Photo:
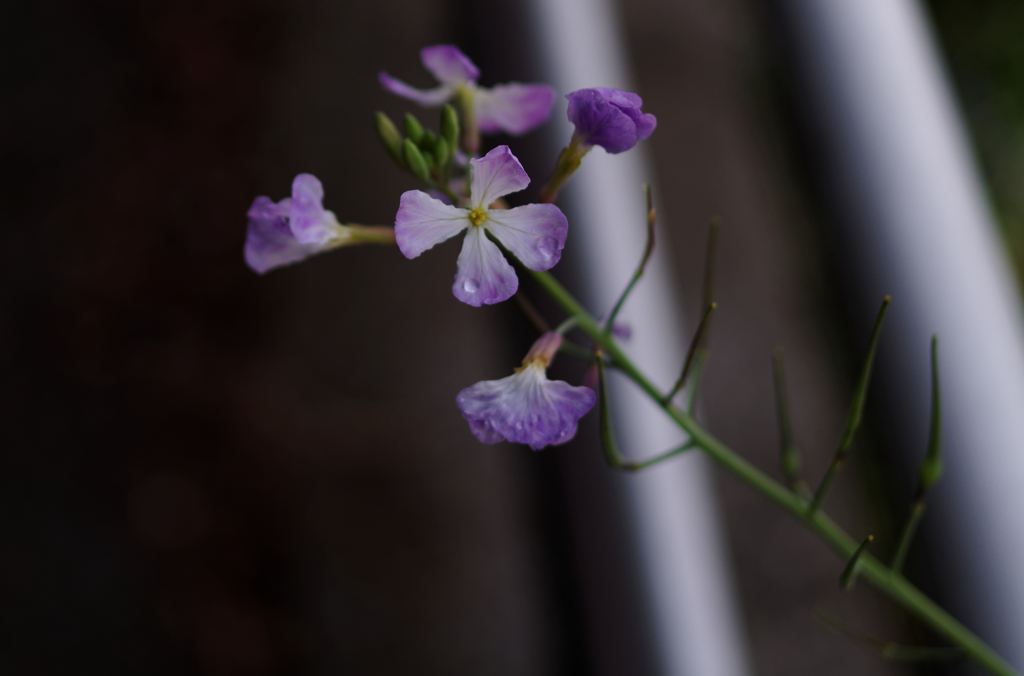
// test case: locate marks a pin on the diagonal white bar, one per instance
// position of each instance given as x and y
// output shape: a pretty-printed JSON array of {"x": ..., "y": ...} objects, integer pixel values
[
  {"x": 669, "y": 512},
  {"x": 917, "y": 225}
]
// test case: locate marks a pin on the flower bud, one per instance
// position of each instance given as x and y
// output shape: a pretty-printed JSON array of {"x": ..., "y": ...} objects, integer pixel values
[
  {"x": 427, "y": 142},
  {"x": 441, "y": 152},
  {"x": 413, "y": 128},
  {"x": 389, "y": 137},
  {"x": 418, "y": 166},
  {"x": 450, "y": 126}
]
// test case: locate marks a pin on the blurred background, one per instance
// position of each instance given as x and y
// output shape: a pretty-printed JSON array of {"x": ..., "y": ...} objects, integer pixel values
[{"x": 205, "y": 471}]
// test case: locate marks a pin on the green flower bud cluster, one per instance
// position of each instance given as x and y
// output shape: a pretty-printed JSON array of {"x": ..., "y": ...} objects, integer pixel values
[{"x": 424, "y": 154}]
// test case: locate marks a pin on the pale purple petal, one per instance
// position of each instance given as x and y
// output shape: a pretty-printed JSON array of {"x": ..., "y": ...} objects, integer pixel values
[
  {"x": 526, "y": 408},
  {"x": 269, "y": 242},
  {"x": 514, "y": 108},
  {"x": 483, "y": 431},
  {"x": 609, "y": 118},
  {"x": 449, "y": 65},
  {"x": 424, "y": 97},
  {"x": 495, "y": 175},
  {"x": 423, "y": 221},
  {"x": 484, "y": 277},
  {"x": 310, "y": 223},
  {"x": 535, "y": 233}
]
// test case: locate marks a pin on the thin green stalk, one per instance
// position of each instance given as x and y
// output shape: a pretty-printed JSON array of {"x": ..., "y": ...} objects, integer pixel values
[
  {"x": 931, "y": 467},
  {"x": 690, "y": 353},
  {"x": 648, "y": 250},
  {"x": 853, "y": 418},
  {"x": 611, "y": 450},
  {"x": 876, "y": 573},
  {"x": 849, "y": 574},
  {"x": 916, "y": 512},
  {"x": 789, "y": 456},
  {"x": 699, "y": 362},
  {"x": 889, "y": 650}
]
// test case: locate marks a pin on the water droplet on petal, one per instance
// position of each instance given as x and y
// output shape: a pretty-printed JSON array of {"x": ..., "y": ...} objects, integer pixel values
[
  {"x": 470, "y": 285},
  {"x": 519, "y": 425},
  {"x": 548, "y": 246}
]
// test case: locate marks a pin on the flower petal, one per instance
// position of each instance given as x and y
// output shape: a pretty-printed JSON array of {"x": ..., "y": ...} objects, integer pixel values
[
  {"x": 449, "y": 65},
  {"x": 424, "y": 97},
  {"x": 269, "y": 242},
  {"x": 599, "y": 122},
  {"x": 482, "y": 430},
  {"x": 514, "y": 108},
  {"x": 629, "y": 103},
  {"x": 484, "y": 277},
  {"x": 526, "y": 408},
  {"x": 535, "y": 233},
  {"x": 619, "y": 98},
  {"x": 309, "y": 222},
  {"x": 423, "y": 221},
  {"x": 495, "y": 175}
]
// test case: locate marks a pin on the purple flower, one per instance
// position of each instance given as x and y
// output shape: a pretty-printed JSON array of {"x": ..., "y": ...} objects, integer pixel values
[
  {"x": 526, "y": 407},
  {"x": 609, "y": 118},
  {"x": 294, "y": 228},
  {"x": 535, "y": 233},
  {"x": 515, "y": 108}
]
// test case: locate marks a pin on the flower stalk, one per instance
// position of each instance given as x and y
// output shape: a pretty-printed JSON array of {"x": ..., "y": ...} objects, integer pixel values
[
  {"x": 880, "y": 576},
  {"x": 853, "y": 419}
]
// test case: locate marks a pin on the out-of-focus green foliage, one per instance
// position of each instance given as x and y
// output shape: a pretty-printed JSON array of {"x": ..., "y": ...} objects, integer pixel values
[{"x": 984, "y": 46}]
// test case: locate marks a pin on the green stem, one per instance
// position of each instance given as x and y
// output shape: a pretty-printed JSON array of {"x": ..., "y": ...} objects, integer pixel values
[
  {"x": 891, "y": 583},
  {"x": 916, "y": 512},
  {"x": 371, "y": 234}
]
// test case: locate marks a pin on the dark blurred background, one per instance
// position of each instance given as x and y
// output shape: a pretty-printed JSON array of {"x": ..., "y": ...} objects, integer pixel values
[{"x": 205, "y": 471}]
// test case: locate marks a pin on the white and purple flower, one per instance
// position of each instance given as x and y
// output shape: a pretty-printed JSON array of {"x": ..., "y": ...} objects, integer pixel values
[
  {"x": 514, "y": 108},
  {"x": 298, "y": 227},
  {"x": 535, "y": 233},
  {"x": 609, "y": 118},
  {"x": 526, "y": 407}
]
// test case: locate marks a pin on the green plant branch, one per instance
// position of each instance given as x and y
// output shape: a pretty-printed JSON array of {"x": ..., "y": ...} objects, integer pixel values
[{"x": 891, "y": 583}]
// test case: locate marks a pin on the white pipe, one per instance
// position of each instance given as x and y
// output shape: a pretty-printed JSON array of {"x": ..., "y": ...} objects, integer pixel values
[
  {"x": 917, "y": 226},
  {"x": 670, "y": 512}
]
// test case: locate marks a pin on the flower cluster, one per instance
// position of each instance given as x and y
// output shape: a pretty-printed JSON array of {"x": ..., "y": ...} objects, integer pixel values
[
  {"x": 514, "y": 108},
  {"x": 525, "y": 407}
]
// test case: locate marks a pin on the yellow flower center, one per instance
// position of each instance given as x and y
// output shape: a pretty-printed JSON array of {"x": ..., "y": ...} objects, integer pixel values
[{"x": 478, "y": 216}]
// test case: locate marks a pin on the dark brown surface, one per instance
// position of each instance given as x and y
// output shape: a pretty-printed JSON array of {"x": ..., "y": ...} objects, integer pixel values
[{"x": 206, "y": 471}]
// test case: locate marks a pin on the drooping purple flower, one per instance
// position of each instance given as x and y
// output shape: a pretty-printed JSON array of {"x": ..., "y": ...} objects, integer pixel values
[
  {"x": 526, "y": 407},
  {"x": 609, "y": 118},
  {"x": 535, "y": 233},
  {"x": 514, "y": 108},
  {"x": 297, "y": 227}
]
